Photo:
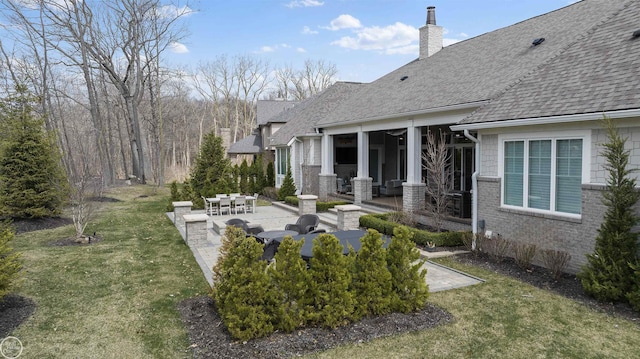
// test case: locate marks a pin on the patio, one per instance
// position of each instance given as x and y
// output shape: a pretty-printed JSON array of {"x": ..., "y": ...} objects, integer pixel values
[{"x": 277, "y": 216}]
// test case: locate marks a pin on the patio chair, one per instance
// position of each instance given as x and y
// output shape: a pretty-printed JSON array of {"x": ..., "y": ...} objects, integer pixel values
[
  {"x": 250, "y": 231},
  {"x": 305, "y": 224},
  {"x": 209, "y": 208},
  {"x": 234, "y": 194},
  {"x": 221, "y": 195},
  {"x": 225, "y": 205},
  {"x": 240, "y": 204}
]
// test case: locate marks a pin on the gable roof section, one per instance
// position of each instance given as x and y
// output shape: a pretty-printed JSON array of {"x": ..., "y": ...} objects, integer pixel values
[
  {"x": 473, "y": 70},
  {"x": 302, "y": 119},
  {"x": 247, "y": 145},
  {"x": 267, "y": 109},
  {"x": 599, "y": 73}
]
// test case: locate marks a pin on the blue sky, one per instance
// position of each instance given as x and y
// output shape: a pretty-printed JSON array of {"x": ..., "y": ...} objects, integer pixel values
[{"x": 364, "y": 38}]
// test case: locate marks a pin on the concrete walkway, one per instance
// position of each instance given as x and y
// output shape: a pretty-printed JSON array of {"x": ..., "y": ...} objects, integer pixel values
[{"x": 274, "y": 217}]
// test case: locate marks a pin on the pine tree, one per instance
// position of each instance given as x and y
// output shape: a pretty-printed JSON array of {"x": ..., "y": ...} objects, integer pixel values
[
  {"x": 407, "y": 276},
  {"x": 372, "y": 279},
  {"x": 213, "y": 172},
  {"x": 329, "y": 293},
  {"x": 288, "y": 187},
  {"x": 608, "y": 275},
  {"x": 9, "y": 261},
  {"x": 244, "y": 295},
  {"x": 289, "y": 273},
  {"x": 33, "y": 183}
]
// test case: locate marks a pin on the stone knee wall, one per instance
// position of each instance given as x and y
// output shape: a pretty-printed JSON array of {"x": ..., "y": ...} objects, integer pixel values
[{"x": 575, "y": 236}]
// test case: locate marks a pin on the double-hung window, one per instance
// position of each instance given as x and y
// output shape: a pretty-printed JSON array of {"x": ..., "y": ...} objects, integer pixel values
[{"x": 543, "y": 174}]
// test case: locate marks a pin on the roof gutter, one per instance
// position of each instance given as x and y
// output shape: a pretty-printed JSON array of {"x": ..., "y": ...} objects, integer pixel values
[
  {"x": 463, "y": 106},
  {"x": 548, "y": 120}
]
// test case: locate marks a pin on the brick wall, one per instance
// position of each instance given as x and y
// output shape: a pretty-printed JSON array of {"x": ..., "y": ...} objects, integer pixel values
[{"x": 575, "y": 236}]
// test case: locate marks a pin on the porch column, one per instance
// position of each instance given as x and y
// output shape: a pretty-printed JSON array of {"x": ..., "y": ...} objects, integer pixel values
[
  {"x": 327, "y": 177},
  {"x": 413, "y": 191},
  {"x": 362, "y": 182}
]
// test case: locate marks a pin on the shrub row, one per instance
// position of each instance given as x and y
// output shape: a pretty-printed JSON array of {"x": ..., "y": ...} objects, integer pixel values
[
  {"x": 381, "y": 223},
  {"x": 255, "y": 299},
  {"x": 320, "y": 206}
]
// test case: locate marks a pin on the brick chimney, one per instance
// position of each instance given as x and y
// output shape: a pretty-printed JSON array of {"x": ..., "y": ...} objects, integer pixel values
[{"x": 430, "y": 35}]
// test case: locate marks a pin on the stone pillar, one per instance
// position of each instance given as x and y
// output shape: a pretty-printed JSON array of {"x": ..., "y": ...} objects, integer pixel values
[
  {"x": 327, "y": 184},
  {"x": 413, "y": 197},
  {"x": 196, "y": 228},
  {"x": 180, "y": 209},
  {"x": 348, "y": 217},
  {"x": 361, "y": 189},
  {"x": 307, "y": 204}
]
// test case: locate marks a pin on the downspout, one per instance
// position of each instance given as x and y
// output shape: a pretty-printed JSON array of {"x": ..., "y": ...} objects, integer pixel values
[
  {"x": 474, "y": 186},
  {"x": 300, "y": 153}
]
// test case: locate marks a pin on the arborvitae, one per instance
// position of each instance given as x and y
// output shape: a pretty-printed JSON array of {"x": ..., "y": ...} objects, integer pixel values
[
  {"x": 634, "y": 294},
  {"x": 244, "y": 177},
  {"x": 329, "y": 292},
  {"x": 212, "y": 172},
  {"x": 607, "y": 275},
  {"x": 288, "y": 187},
  {"x": 187, "y": 193},
  {"x": 407, "y": 275},
  {"x": 244, "y": 295},
  {"x": 33, "y": 183},
  {"x": 175, "y": 195},
  {"x": 289, "y": 274},
  {"x": 372, "y": 279},
  {"x": 258, "y": 171},
  {"x": 271, "y": 176},
  {"x": 9, "y": 261}
]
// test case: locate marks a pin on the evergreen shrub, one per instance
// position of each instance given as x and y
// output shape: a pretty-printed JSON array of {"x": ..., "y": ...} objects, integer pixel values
[
  {"x": 10, "y": 265},
  {"x": 407, "y": 275}
]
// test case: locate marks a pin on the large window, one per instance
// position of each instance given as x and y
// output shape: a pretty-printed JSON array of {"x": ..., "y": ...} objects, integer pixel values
[{"x": 543, "y": 174}]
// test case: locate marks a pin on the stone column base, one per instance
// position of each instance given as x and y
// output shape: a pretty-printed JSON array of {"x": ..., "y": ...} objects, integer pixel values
[
  {"x": 327, "y": 185},
  {"x": 180, "y": 209},
  {"x": 195, "y": 228},
  {"x": 413, "y": 197},
  {"x": 361, "y": 189}
]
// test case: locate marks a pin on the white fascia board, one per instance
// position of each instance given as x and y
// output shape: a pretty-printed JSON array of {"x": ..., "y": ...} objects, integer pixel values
[
  {"x": 548, "y": 120},
  {"x": 409, "y": 114}
]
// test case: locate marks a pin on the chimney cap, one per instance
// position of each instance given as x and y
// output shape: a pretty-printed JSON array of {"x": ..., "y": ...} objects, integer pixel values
[{"x": 431, "y": 15}]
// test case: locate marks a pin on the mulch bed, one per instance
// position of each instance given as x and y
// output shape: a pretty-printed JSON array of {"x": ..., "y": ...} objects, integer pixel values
[
  {"x": 210, "y": 339},
  {"x": 36, "y": 224},
  {"x": 14, "y": 310}
]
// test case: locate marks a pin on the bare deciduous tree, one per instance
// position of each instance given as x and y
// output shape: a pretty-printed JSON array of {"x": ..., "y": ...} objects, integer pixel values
[{"x": 436, "y": 161}]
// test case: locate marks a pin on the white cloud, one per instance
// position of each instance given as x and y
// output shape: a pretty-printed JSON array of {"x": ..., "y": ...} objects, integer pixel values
[
  {"x": 398, "y": 38},
  {"x": 178, "y": 48},
  {"x": 304, "y": 3},
  {"x": 267, "y": 49},
  {"x": 344, "y": 22},
  {"x": 307, "y": 31},
  {"x": 301, "y": 50},
  {"x": 172, "y": 11},
  {"x": 273, "y": 48}
]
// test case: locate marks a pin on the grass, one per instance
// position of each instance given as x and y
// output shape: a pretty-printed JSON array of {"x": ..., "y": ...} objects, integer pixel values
[
  {"x": 505, "y": 318},
  {"x": 115, "y": 298}
]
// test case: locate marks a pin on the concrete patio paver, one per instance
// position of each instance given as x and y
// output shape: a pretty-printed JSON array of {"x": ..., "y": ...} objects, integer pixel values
[{"x": 438, "y": 278}]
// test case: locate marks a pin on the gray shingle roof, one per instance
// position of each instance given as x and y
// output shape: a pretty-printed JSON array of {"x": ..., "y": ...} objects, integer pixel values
[
  {"x": 302, "y": 118},
  {"x": 601, "y": 72},
  {"x": 476, "y": 69},
  {"x": 247, "y": 145},
  {"x": 267, "y": 109}
]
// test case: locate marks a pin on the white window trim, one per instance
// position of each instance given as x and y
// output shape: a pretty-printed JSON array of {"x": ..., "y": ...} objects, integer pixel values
[{"x": 584, "y": 135}]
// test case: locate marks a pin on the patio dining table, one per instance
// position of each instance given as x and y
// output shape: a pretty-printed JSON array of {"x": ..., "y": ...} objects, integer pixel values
[
  {"x": 347, "y": 238},
  {"x": 216, "y": 201}
]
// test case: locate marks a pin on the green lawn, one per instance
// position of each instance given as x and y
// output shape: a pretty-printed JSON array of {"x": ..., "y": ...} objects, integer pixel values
[
  {"x": 505, "y": 318},
  {"x": 117, "y": 299}
]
